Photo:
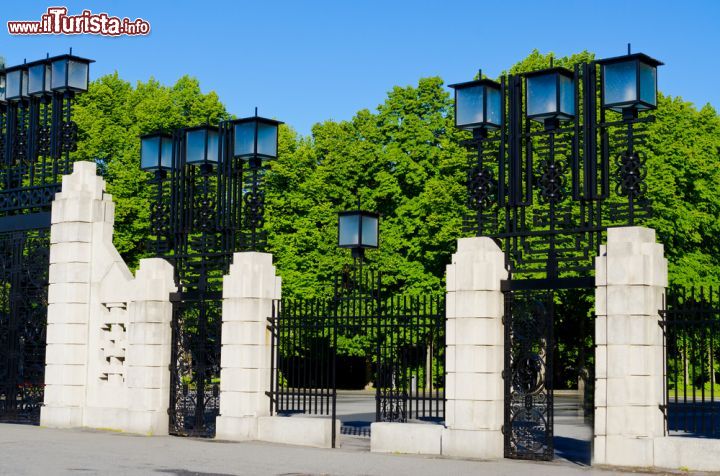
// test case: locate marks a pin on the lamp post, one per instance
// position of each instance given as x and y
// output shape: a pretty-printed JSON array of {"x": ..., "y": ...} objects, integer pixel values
[
  {"x": 37, "y": 136},
  {"x": 204, "y": 209},
  {"x": 517, "y": 166}
]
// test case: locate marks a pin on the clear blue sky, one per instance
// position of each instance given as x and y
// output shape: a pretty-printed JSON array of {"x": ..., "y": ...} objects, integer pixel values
[{"x": 305, "y": 61}]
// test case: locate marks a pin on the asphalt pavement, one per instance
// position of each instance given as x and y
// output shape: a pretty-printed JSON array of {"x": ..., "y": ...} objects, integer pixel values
[{"x": 31, "y": 450}]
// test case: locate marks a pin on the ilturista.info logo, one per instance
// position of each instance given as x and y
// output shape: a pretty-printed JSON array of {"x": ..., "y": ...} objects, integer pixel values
[{"x": 56, "y": 21}]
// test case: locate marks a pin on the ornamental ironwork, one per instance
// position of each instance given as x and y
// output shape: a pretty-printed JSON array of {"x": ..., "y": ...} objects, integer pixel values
[
  {"x": 37, "y": 134},
  {"x": 208, "y": 203}
]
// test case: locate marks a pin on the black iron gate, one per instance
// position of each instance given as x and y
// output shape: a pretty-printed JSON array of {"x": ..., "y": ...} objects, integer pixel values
[
  {"x": 37, "y": 135},
  {"x": 24, "y": 263},
  {"x": 691, "y": 321},
  {"x": 528, "y": 375},
  {"x": 195, "y": 367},
  {"x": 401, "y": 338},
  {"x": 546, "y": 187}
]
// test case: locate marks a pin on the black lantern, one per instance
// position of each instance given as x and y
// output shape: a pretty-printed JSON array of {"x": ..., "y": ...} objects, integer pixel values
[
  {"x": 70, "y": 73},
  {"x": 478, "y": 105},
  {"x": 39, "y": 78},
  {"x": 629, "y": 83},
  {"x": 358, "y": 230},
  {"x": 2, "y": 88},
  {"x": 16, "y": 82},
  {"x": 156, "y": 152},
  {"x": 201, "y": 145},
  {"x": 255, "y": 139},
  {"x": 550, "y": 96}
]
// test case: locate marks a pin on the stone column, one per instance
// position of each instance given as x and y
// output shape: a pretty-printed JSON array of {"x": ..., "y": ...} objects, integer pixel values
[
  {"x": 108, "y": 334},
  {"x": 74, "y": 211},
  {"x": 149, "y": 348},
  {"x": 248, "y": 293},
  {"x": 631, "y": 276},
  {"x": 475, "y": 350}
]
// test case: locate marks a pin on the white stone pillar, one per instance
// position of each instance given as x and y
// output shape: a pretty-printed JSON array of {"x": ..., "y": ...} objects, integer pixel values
[
  {"x": 149, "y": 348},
  {"x": 108, "y": 334},
  {"x": 76, "y": 208},
  {"x": 475, "y": 350},
  {"x": 248, "y": 293},
  {"x": 631, "y": 276}
]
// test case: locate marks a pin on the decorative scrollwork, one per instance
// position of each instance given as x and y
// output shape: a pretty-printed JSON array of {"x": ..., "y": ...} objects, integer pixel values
[
  {"x": 631, "y": 175},
  {"x": 481, "y": 185},
  {"x": 159, "y": 217},
  {"x": 529, "y": 400},
  {"x": 552, "y": 181},
  {"x": 44, "y": 137},
  {"x": 205, "y": 215},
  {"x": 20, "y": 145},
  {"x": 69, "y": 136},
  {"x": 254, "y": 209},
  {"x": 394, "y": 409}
]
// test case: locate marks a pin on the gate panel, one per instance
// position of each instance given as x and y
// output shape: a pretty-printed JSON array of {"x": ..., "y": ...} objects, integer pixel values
[
  {"x": 303, "y": 360},
  {"x": 410, "y": 377},
  {"x": 691, "y": 322},
  {"x": 195, "y": 368},
  {"x": 24, "y": 263},
  {"x": 528, "y": 374}
]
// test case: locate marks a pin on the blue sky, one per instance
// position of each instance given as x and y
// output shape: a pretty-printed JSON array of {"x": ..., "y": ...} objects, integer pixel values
[{"x": 308, "y": 61}]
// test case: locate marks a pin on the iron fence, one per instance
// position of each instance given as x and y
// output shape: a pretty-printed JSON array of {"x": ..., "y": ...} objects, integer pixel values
[
  {"x": 398, "y": 341},
  {"x": 691, "y": 321}
]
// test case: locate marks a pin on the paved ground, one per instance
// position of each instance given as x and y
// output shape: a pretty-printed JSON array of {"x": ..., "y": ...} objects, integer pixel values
[{"x": 29, "y": 450}]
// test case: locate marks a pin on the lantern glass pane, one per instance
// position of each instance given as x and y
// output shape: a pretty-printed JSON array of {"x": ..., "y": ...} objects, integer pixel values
[
  {"x": 494, "y": 106},
  {"x": 469, "y": 106},
  {"x": 78, "y": 75},
  {"x": 349, "y": 230},
  {"x": 620, "y": 82},
  {"x": 149, "y": 153},
  {"x": 542, "y": 95},
  {"x": 370, "y": 231},
  {"x": 244, "y": 139},
  {"x": 567, "y": 95},
  {"x": 213, "y": 145},
  {"x": 267, "y": 139},
  {"x": 195, "y": 146},
  {"x": 36, "y": 79},
  {"x": 14, "y": 83},
  {"x": 59, "y": 70},
  {"x": 648, "y": 84},
  {"x": 166, "y": 153}
]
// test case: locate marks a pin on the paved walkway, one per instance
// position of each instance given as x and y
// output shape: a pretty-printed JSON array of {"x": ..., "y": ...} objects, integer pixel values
[{"x": 29, "y": 450}]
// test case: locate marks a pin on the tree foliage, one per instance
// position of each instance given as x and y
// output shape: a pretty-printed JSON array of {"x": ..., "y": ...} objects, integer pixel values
[
  {"x": 402, "y": 159},
  {"x": 112, "y": 116}
]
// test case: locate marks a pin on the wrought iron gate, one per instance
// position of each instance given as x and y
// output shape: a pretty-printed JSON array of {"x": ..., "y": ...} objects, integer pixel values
[
  {"x": 402, "y": 337},
  {"x": 37, "y": 135},
  {"x": 24, "y": 263},
  {"x": 691, "y": 321},
  {"x": 528, "y": 324},
  {"x": 547, "y": 189}
]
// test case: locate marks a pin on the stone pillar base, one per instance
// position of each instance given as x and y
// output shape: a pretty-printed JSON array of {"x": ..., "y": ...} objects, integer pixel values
[
  {"x": 480, "y": 444},
  {"x": 236, "y": 428},
  {"x": 61, "y": 417}
]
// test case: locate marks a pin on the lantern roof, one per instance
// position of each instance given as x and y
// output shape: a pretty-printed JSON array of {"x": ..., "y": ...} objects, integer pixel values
[
  {"x": 476, "y": 82},
  {"x": 542, "y": 72},
  {"x": 256, "y": 118},
  {"x": 639, "y": 56}
]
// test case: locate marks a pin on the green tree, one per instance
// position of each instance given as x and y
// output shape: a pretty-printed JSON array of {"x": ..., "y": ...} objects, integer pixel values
[
  {"x": 403, "y": 161},
  {"x": 112, "y": 116}
]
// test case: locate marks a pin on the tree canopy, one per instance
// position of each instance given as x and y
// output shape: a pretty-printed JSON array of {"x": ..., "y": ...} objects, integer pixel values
[{"x": 402, "y": 159}]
